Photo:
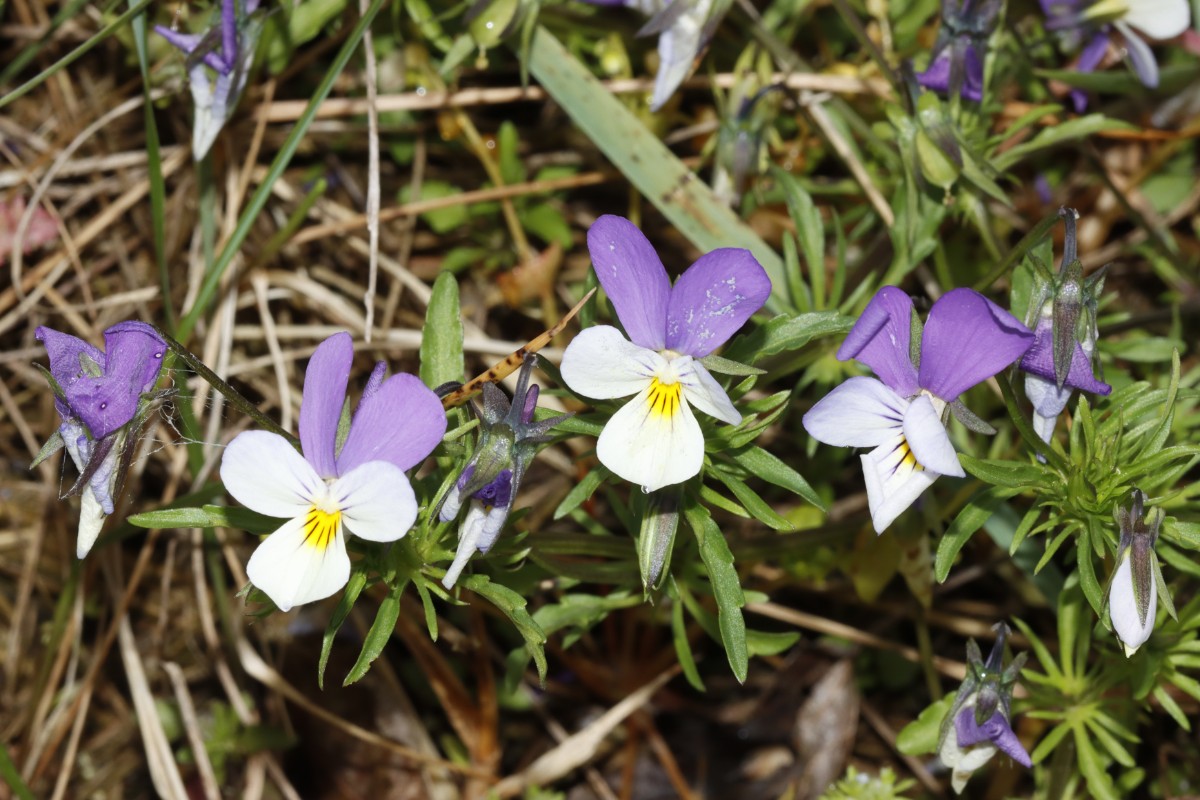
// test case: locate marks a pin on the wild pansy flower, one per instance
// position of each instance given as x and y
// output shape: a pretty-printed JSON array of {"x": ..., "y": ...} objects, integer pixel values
[
  {"x": 654, "y": 440},
  {"x": 967, "y": 339},
  {"x": 1089, "y": 25},
  {"x": 684, "y": 28},
  {"x": 214, "y": 97},
  {"x": 980, "y": 720},
  {"x": 99, "y": 396},
  {"x": 1137, "y": 581},
  {"x": 508, "y": 441},
  {"x": 1063, "y": 311},
  {"x": 327, "y": 492},
  {"x": 956, "y": 64}
]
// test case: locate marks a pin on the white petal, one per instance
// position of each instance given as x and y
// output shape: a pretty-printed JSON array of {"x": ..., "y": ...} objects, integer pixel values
[
  {"x": 678, "y": 47},
  {"x": 603, "y": 364},
  {"x": 894, "y": 480},
  {"x": 452, "y": 504},
  {"x": 91, "y": 520},
  {"x": 927, "y": 438},
  {"x": 266, "y": 474},
  {"x": 376, "y": 501},
  {"x": 1047, "y": 399},
  {"x": 649, "y": 446},
  {"x": 1123, "y": 611},
  {"x": 292, "y": 571},
  {"x": 862, "y": 412},
  {"x": 1159, "y": 19},
  {"x": 1044, "y": 427},
  {"x": 493, "y": 523},
  {"x": 468, "y": 541},
  {"x": 703, "y": 391}
]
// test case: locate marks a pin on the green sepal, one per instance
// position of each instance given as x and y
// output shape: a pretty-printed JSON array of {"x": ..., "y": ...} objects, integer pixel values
[{"x": 52, "y": 446}]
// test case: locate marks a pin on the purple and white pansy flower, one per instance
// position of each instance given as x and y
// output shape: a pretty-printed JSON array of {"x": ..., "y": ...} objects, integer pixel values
[
  {"x": 328, "y": 492},
  {"x": 102, "y": 393},
  {"x": 654, "y": 440},
  {"x": 901, "y": 415}
]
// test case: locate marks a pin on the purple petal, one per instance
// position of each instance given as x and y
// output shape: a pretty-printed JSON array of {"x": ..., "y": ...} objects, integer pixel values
[
  {"x": 1039, "y": 360},
  {"x": 229, "y": 43},
  {"x": 880, "y": 339},
  {"x": 64, "y": 351},
  {"x": 531, "y": 398},
  {"x": 1093, "y": 53},
  {"x": 187, "y": 42},
  {"x": 633, "y": 277},
  {"x": 970, "y": 732},
  {"x": 713, "y": 298},
  {"x": 401, "y": 423},
  {"x": 972, "y": 87},
  {"x": 375, "y": 380},
  {"x": 321, "y": 407},
  {"x": 937, "y": 77},
  {"x": 131, "y": 365},
  {"x": 1140, "y": 56},
  {"x": 996, "y": 730},
  {"x": 968, "y": 339}
]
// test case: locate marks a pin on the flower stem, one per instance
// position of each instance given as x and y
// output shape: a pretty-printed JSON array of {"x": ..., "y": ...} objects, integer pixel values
[
  {"x": 231, "y": 394},
  {"x": 1025, "y": 428}
]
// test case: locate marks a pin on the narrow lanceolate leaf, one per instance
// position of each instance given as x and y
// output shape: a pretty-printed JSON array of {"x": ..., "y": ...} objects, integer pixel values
[
  {"x": 205, "y": 517},
  {"x": 512, "y": 605},
  {"x": 727, "y": 589},
  {"x": 358, "y": 581},
  {"x": 976, "y": 512},
  {"x": 442, "y": 336},
  {"x": 379, "y": 634},
  {"x": 787, "y": 333},
  {"x": 766, "y": 466}
]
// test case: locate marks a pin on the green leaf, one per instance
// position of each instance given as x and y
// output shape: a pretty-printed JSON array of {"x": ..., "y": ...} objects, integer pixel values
[
  {"x": 656, "y": 536},
  {"x": 512, "y": 605},
  {"x": 921, "y": 735},
  {"x": 358, "y": 581},
  {"x": 441, "y": 220},
  {"x": 786, "y": 333},
  {"x": 380, "y": 632},
  {"x": 1099, "y": 784},
  {"x": 683, "y": 646},
  {"x": 1185, "y": 534},
  {"x": 206, "y": 517},
  {"x": 727, "y": 589},
  {"x": 1059, "y": 134},
  {"x": 1088, "y": 581},
  {"x": 508, "y": 159},
  {"x": 1003, "y": 473},
  {"x": 426, "y": 605},
  {"x": 442, "y": 336},
  {"x": 581, "y": 491},
  {"x": 1170, "y": 79},
  {"x": 766, "y": 466},
  {"x": 724, "y": 366},
  {"x": 976, "y": 512},
  {"x": 752, "y": 502},
  {"x": 1172, "y": 707}
]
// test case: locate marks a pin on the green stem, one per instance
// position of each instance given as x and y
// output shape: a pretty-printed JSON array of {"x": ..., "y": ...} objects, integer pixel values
[
  {"x": 232, "y": 395},
  {"x": 925, "y": 648},
  {"x": 1024, "y": 427}
]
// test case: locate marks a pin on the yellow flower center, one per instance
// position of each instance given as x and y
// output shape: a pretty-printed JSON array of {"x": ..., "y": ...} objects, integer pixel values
[
  {"x": 664, "y": 398},
  {"x": 320, "y": 527}
]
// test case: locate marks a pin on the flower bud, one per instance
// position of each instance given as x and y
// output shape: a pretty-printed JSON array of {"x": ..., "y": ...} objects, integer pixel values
[{"x": 1137, "y": 581}]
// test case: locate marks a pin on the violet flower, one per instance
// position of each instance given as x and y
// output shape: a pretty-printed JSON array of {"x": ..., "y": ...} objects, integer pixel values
[
  {"x": 1089, "y": 25},
  {"x": 967, "y": 339},
  {"x": 508, "y": 441},
  {"x": 327, "y": 492},
  {"x": 98, "y": 394},
  {"x": 979, "y": 720},
  {"x": 654, "y": 440},
  {"x": 956, "y": 64},
  {"x": 1137, "y": 582},
  {"x": 1063, "y": 311},
  {"x": 215, "y": 98}
]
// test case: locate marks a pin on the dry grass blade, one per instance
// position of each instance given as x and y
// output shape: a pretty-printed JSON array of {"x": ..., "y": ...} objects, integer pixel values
[
  {"x": 506, "y": 367},
  {"x": 580, "y": 747}
]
